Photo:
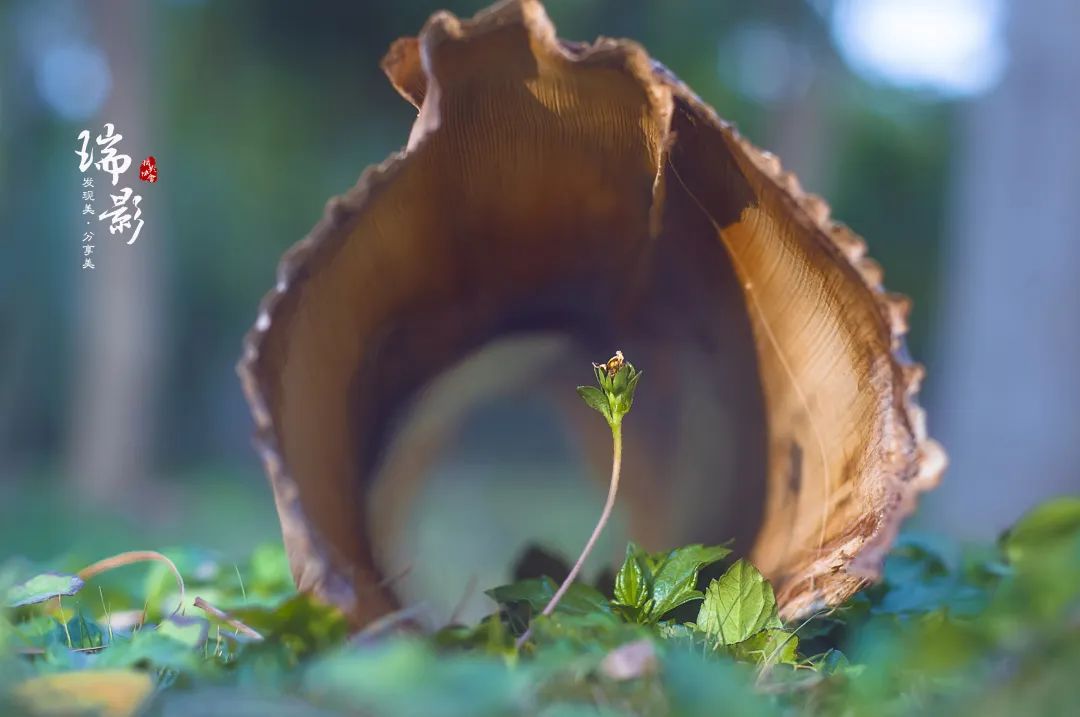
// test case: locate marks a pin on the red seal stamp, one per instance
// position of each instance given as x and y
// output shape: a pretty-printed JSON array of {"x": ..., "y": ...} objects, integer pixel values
[{"x": 148, "y": 169}]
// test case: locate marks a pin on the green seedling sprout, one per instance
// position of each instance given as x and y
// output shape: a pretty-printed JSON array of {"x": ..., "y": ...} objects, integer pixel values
[{"x": 617, "y": 379}]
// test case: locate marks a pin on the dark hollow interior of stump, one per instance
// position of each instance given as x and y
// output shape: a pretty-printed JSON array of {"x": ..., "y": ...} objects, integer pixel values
[{"x": 497, "y": 417}]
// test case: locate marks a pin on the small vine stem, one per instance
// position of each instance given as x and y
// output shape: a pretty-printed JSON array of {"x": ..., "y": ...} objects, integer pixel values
[{"x": 609, "y": 505}]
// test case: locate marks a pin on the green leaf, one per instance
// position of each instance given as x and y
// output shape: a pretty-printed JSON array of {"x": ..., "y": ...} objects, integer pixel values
[
  {"x": 579, "y": 599},
  {"x": 534, "y": 591},
  {"x": 40, "y": 631},
  {"x": 631, "y": 387},
  {"x": 830, "y": 662},
  {"x": 189, "y": 631},
  {"x": 770, "y": 646},
  {"x": 622, "y": 376},
  {"x": 919, "y": 578},
  {"x": 738, "y": 604},
  {"x": 631, "y": 587},
  {"x": 489, "y": 635},
  {"x": 84, "y": 633},
  {"x": 596, "y": 399},
  {"x": 154, "y": 648},
  {"x": 43, "y": 587},
  {"x": 601, "y": 375},
  {"x": 674, "y": 631},
  {"x": 302, "y": 623},
  {"x": 1042, "y": 528},
  {"x": 679, "y": 593},
  {"x": 675, "y": 577}
]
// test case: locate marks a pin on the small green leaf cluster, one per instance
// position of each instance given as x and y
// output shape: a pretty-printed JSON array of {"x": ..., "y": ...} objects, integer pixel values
[
  {"x": 650, "y": 585},
  {"x": 738, "y": 614},
  {"x": 738, "y": 611},
  {"x": 614, "y": 394}
]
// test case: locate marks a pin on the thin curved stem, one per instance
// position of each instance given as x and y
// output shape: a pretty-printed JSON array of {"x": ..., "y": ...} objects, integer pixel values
[{"x": 609, "y": 505}]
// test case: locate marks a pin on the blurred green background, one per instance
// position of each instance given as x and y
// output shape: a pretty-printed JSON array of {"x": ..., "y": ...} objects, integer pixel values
[{"x": 940, "y": 131}]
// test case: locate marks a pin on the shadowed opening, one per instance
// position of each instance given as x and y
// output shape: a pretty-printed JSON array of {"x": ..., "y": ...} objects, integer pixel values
[{"x": 694, "y": 464}]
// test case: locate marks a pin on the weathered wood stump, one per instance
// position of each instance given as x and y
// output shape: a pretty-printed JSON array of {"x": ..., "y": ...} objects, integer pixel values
[{"x": 581, "y": 195}]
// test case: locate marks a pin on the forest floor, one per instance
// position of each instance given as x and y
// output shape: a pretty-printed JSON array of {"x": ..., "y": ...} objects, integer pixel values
[{"x": 984, "y": 630}]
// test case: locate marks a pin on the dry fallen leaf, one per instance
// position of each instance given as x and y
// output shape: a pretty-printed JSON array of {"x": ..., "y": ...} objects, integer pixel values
[{"x": 116, "y": 693}]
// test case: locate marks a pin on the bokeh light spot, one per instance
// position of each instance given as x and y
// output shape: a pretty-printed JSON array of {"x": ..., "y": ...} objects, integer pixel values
[
  {"x": 73, "y": 79},
  {"x": 951, "y": 47}
]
